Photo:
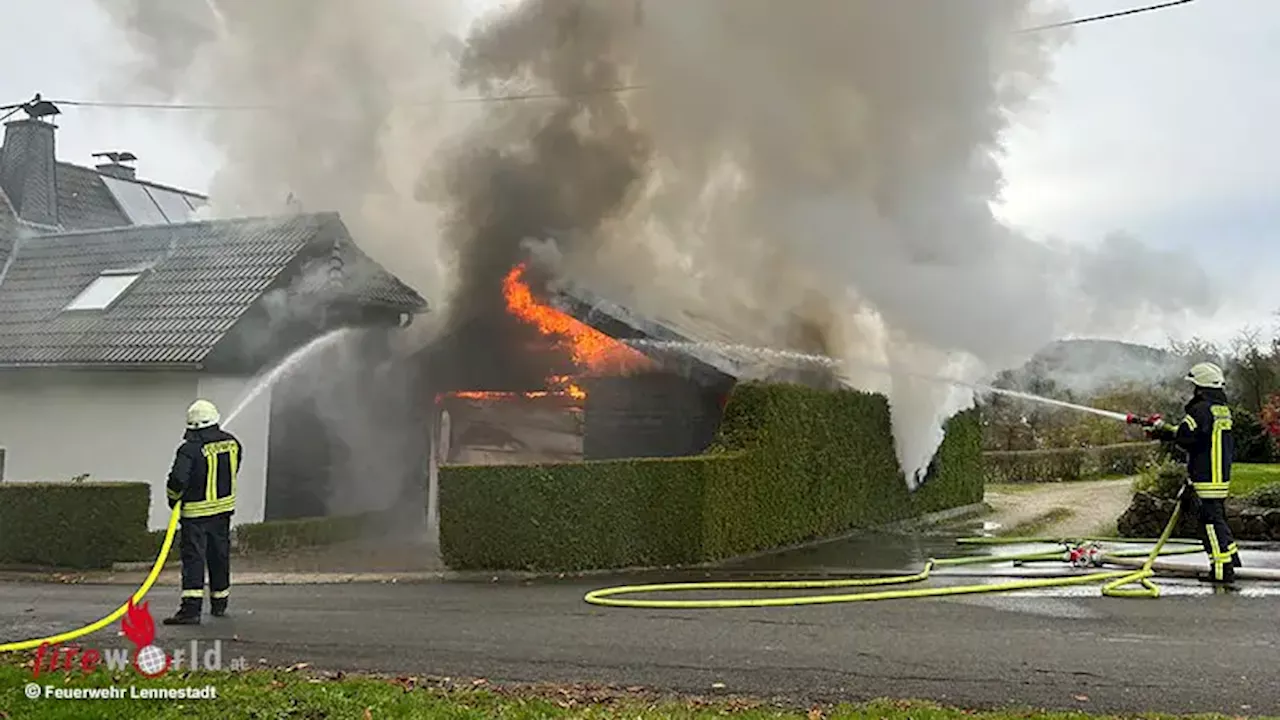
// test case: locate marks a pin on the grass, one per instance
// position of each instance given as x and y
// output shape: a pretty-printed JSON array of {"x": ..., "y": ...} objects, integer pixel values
[
  {"x": 1247, "y": 477},
  {"x": 296, "y": 694},
  {"x": 1015, "y": 488}
]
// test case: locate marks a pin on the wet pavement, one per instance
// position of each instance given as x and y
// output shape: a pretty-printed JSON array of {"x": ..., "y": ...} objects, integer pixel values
[
  {"x": 1214, "y": 653},
  {"x": 1196, "y": 649}
]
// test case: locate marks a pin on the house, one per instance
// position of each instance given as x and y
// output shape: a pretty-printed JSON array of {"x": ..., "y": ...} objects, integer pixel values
[{"x": 119, "y": 306}]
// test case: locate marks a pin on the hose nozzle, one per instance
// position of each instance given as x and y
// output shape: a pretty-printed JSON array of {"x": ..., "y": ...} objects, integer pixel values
[{"x": 1144, "y": 421}]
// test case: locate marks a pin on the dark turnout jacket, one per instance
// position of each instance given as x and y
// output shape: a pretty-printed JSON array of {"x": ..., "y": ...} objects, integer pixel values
[
  {"x": 203, "y": 476},
  {"x": 1205, "y": 435}
]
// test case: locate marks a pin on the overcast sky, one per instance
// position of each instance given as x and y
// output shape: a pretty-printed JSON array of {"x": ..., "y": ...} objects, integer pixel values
[{"x": 1158, "y": 125}]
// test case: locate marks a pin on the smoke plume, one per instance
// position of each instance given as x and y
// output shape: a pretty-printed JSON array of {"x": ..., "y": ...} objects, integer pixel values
[{"x": 815, "y": 175}]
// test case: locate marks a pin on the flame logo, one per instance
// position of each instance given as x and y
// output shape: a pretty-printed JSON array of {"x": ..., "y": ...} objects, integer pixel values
[{"x": 137, "y": 625}]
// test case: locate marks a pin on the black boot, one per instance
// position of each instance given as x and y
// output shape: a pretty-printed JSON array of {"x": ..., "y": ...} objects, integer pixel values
[
  {"x": 218, "y": 607},
  {"x": 1228, "y": 576},
  {"x": 188, "y": 614}
]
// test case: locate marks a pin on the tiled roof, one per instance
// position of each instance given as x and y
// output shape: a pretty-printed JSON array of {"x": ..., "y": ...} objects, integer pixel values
[
  {"x": 202, "y": 278},
  {"x": 8, "y": 229},
  {"x": 84, "y": 203}
]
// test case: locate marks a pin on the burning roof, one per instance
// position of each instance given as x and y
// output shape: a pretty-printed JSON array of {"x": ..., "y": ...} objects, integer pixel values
[{"x": 594, "y": 352}]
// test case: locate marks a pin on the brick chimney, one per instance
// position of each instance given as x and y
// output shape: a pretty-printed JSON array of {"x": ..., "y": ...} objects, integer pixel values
[
  {"x": 117, "y": 170},
  {"x": 28, "y": 171},
  {"x": 114, "y": 164}
]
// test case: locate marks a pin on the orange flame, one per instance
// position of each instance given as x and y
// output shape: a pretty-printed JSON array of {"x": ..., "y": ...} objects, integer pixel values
[
  {"x": 591, "y": 349},
  {"x": 138, "y": 625}
]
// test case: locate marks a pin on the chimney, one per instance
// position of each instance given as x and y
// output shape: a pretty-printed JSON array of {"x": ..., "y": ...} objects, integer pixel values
[
  {"x": 116, "y": 167},
  {"x": 124, "y": 172},
  {"x": 28, "y": 170}
]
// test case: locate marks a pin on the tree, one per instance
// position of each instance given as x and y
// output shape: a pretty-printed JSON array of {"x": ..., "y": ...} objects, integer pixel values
[
  {"x": 1196, "y": 350},
  {"x": 1270, "y": 417},
  {"x": 1252, "y": 371}
]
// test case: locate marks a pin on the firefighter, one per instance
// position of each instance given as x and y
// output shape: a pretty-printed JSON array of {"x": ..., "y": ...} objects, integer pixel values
[
  {"x": 203, "y": 479},
  {"x": 1205, "y": 436}
]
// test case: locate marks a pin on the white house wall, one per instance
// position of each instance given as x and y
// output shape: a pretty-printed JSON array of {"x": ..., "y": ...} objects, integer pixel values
[
  {"x": 118, "y": 426},
  {"x": 251, "y": 426},
  {"x": 122, "y": 426}
]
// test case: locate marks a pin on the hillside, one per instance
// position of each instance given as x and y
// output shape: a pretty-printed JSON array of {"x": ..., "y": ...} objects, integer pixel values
[{"x": 1090, "y": 366}]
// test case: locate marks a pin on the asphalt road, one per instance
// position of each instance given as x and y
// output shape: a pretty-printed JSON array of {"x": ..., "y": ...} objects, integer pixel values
[{"x": 1188, "y": 653}]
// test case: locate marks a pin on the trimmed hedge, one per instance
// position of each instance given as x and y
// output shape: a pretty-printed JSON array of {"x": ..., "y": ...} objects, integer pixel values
[
  {"x": 1068, "y": 464},
  {"x": 86, "y": 525},
  {"x": 790, "y": 464},
  {"x": 279, "y": 535}
]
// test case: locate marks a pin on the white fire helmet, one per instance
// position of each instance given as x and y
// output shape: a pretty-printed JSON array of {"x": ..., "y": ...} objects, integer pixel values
[
  {"x": 1206, "y": 375},
  {"x": 202, "y": 414}
]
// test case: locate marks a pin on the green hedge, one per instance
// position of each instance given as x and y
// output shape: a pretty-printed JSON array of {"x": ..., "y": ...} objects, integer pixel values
[
  {"x": 86, "y": 525},
  {"x": 1068, "y": 464},
  {"x": 790, "y": 464},
  {"x": 280, "y": 535},
  {"x": 276, "y": 535}
]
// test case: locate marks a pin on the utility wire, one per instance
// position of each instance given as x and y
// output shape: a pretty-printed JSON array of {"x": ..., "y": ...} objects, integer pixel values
[
  {"x": 446, "y": 101},
  {"x": 1106, "y": 16},
  {"x": 552, "y": 96}
]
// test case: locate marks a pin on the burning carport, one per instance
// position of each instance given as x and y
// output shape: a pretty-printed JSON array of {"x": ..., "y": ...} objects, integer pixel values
[{"x": 592, "y": 381}]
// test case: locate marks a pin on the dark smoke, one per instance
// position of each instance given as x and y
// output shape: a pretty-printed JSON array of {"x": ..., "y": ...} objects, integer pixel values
[
  {"x": 815, "y": 174},
  {"x": 560, "y": 168}
]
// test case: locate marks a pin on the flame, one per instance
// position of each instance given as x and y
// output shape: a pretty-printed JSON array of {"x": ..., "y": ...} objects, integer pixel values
[
  {"x": 591, "y": 349},
  {"x": 138, "y": 625},
  {"x": 566, "y": 389}
]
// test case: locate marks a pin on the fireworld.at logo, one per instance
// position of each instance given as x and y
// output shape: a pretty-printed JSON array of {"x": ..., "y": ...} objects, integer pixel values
[{"x": 147, "y": 658}]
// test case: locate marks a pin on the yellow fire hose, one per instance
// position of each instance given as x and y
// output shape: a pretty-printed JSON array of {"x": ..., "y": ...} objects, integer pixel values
[
  {"x": 120, "y": 611},
  {"x": 1115, "y": 588},
  {"x": 1118, "y": 578}
]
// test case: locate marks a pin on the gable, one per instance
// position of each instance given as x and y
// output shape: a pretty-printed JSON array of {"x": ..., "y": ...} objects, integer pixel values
[{"x": 195, "y": 282}]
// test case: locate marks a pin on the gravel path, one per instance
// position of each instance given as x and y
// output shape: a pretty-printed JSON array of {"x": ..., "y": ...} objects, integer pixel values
[{"x": 1093, "y": 506}]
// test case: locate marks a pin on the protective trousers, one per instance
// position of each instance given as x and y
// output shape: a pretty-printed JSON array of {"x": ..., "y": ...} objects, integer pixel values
[
  {"x": 206, "y": 542},
  {"x": 1224, "y": 556}
]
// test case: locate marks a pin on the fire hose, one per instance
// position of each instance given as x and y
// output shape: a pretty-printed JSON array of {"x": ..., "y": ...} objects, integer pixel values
[
  {"x": 607, "y": 596},
  {"x": 1116, "y": 580},
  {"x": 120, "y": 611}
]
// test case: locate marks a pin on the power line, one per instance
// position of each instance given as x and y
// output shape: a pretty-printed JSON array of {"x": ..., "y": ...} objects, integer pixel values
[
  {"x": 1106, "y": 16},
  {"x": 485, "y": 99},
  {"x": 447, "y": 101}
]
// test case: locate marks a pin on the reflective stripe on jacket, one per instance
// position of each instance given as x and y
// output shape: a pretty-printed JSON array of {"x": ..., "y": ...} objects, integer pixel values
[
  {"x": 1205, "y": 435},
  {"x": 204, "y": 473}
]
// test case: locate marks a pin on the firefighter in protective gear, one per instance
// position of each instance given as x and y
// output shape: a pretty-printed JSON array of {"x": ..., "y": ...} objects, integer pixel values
[
  {"x": 1205, "y": 436},
  {"x": 203, "y": 479}
]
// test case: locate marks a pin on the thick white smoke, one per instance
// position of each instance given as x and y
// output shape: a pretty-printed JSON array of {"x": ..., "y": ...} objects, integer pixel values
[{"x": 828, "y": 163}]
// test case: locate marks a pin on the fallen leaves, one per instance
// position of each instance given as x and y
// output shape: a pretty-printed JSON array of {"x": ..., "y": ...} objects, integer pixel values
[{"x": 407, "y": 684}]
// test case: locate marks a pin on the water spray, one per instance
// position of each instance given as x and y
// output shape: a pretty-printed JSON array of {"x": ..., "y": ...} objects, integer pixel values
[
  {"x": 286, "y": 366},
  {"x": 770, "y": 354}
]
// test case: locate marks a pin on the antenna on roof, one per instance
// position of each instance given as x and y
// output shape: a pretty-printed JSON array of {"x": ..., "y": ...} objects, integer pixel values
[
  {"x": 114, "y": 167},
  {"x": 117, "y": 156},
  {"x": 35, "y": 108}
]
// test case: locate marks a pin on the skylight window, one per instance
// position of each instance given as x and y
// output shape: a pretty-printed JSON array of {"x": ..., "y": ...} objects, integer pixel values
[
  {"x": 104, "y": 290},
  {"x": 137, "y": 204},
  {"x": 174, "y": 206}
]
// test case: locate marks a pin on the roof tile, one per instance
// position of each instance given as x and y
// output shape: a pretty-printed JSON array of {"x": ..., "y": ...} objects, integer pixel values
[{"x": 203, "y": 277}]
